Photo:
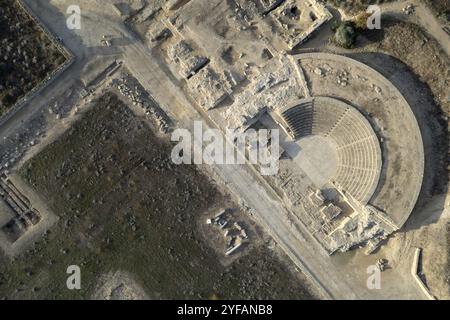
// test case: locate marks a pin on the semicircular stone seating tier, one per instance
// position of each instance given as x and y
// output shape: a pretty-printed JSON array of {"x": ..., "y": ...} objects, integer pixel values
[{"x": 358, "y": 148}]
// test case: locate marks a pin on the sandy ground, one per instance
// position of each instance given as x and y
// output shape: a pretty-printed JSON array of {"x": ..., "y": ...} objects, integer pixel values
[
  {"x": 430, "y": 234},
  {"x": 119, "y": 286}
]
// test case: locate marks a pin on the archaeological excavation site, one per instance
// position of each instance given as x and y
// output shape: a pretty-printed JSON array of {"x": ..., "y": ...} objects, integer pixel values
[{"x": 354, "y": 95}]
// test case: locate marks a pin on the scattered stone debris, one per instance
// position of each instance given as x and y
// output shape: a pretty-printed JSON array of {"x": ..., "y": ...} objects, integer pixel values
[
  {"x": 343, "y": 78},
  {"x": 409, "y": 9},
  {"x": 185, "y": 58},
  {"x": 382, "y": 264},
  {"x": 132, "y": 90},
  {"x": 319, "y": 72},
  {"x": 14, "y": 147},
  {"x": 234, "y": 233},
  {"x": 210, "y": 87},
  {"x": 294, "y": 21}
]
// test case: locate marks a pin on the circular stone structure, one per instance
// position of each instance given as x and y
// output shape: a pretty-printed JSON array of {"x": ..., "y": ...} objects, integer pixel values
[
  {"x": 378, "y": 140},
  {"x": 355, "y": 142}
]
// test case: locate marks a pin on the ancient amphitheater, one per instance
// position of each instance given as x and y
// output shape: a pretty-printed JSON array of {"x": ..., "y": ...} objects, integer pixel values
[
  {"x": 357, "y": 146},
  {"x": 353, "y": 155},
  {"x": 377, "y": 171}
]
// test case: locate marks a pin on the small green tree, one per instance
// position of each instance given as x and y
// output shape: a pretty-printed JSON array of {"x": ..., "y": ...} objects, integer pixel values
[
  {"x": 345, "y": 34},
  {"x": 445, "y": 15}
]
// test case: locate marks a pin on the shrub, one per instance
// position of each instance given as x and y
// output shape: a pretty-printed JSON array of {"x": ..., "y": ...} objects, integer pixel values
[{"x": 345, "y": 34}]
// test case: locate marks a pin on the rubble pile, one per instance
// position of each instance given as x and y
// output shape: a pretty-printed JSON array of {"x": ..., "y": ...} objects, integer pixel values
[
  {"x": 13, "y": 148},
  {"x": 356, "y": 232},
  {"x": 186, "y": 59},
  {"x": 295, "y": 21},
  {"x": 210, "y": 87},
  {"x": 260, "y": 95},
  {"x": 234, "y": 234},
  {"x": 140, "y": 98}
]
